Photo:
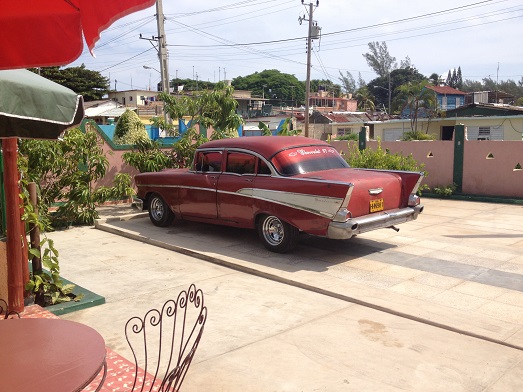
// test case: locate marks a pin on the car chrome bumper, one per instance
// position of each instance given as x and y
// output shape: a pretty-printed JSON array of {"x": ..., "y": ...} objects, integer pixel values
[{"x": 385, "y": 219}]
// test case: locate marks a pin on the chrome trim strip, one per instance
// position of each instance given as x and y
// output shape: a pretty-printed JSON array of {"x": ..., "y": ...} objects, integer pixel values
[{"x": 375, "y": 191}]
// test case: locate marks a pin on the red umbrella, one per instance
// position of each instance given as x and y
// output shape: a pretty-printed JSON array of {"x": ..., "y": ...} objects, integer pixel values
[{"x": 40, "y": 33}]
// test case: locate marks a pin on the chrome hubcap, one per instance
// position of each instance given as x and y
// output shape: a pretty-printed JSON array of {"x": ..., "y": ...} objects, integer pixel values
[
  {"x": 156, "y": 209},
  {"x": 273, "y": 230}
]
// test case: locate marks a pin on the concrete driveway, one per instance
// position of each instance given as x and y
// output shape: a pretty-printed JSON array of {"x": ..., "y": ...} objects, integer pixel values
[{"x": 435, "y": 307}]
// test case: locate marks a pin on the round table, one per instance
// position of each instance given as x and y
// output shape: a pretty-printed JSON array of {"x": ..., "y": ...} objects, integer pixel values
[{"x": 49, "y": 354}]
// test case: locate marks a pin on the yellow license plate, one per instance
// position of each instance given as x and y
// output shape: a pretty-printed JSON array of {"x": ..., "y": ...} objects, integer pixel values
[{"x": 376, "y": 205}]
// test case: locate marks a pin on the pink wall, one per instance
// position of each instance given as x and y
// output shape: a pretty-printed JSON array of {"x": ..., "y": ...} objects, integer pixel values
[
  {"x": 481, "y": 176},
  {"x": 493, "y": 176},
  {"x": 116, "y": 165}
]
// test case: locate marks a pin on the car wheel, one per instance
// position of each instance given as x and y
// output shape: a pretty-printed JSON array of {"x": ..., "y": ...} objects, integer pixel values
[
  {"x": 159, "y": 212},
  {"x": 276, "y": 235}
]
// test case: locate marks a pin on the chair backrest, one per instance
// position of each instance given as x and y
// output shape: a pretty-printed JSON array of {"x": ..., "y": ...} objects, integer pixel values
[
  {"x": 164, "y": 341},
  {"x": 5, "y": 312}
]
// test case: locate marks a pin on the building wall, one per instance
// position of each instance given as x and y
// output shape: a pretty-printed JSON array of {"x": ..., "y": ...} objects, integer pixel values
[
  {"x": 132, "y": 97},
  {"x": 512, "y": 126}
]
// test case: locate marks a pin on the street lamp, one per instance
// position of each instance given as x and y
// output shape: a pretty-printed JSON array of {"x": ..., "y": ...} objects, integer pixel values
[{"x": 147, "y": 67}]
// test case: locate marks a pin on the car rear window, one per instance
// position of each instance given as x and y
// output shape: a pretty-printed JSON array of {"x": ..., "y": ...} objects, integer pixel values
[{"x": 301, "y": 160}]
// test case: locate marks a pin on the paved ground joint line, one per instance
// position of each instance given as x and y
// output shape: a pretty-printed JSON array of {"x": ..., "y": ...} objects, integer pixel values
[{"x": 105, "y": 226}]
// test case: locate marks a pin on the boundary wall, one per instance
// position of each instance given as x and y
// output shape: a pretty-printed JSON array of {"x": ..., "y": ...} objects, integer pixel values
[{"x": 480, "y": 168}]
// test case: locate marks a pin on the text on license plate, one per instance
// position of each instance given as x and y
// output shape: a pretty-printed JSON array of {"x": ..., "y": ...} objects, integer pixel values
[{"x": 376, "y": 205}]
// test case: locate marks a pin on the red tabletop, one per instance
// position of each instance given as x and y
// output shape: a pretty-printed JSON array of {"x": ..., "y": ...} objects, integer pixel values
[{"x": 48, "y": 354}]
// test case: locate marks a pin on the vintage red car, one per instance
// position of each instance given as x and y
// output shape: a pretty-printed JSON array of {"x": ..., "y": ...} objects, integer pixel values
[{"x": 280, "y": 185}]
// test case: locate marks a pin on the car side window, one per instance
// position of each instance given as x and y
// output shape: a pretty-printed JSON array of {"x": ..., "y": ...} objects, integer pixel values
[
  {"x": 208, "y": 161},
  {"x": 240, "y": 163},
  {"x": 263, "y": 168}
]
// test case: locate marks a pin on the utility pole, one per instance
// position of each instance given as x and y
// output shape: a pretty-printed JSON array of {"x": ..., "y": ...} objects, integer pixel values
[
  {"x": 162, "y": 47},
  {"x": 309, "y": 51},
  {"x": 162, "y": 52}
]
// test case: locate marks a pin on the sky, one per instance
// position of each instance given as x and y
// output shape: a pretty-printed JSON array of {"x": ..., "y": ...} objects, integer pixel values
[{"x": 225, "y": 39}]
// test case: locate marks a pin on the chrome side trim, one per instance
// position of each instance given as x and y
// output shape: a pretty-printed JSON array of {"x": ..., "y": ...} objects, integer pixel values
[
  {"x": 325, "y": 206},
  {"x": 375, "y": 191}
]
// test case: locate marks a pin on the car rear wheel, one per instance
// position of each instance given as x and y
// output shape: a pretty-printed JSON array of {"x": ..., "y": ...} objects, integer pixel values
[
  {"x": 159, "y": 212},
  {"x": 276, "y": 235}
]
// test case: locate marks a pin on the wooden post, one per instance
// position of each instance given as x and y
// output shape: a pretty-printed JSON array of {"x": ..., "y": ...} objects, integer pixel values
[
  {"x": 15, "y": 278},
  {"x": 34, "y": 232}
]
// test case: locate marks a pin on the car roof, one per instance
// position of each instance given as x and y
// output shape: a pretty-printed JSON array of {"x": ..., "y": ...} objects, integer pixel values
[{"x": 266, "y": 146}]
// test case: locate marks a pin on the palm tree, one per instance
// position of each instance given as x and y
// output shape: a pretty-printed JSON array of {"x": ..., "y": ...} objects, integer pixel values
[
  {"x": 365, "y": 99},
  {"x": 415, "y": 97}
]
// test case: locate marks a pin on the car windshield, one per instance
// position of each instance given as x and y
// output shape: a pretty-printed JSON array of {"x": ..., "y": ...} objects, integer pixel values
[{"x": 301, "y": 160}]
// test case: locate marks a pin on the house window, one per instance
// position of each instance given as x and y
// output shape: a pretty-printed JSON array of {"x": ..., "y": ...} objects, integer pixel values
[
  {"x": 484, "y": 133},
  {"x": 130, "y": 99},
  {"x": 344, "y": 131}
]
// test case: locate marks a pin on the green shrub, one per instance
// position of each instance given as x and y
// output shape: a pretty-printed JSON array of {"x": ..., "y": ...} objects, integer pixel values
[
  {"x": 417, "y": 135},
  {"x": 381, "y": 159},
  {"x": 129, "y": 129},
  {"x": 445, "y": 191},
  {"x": 64, "y": 171},
  {"x": 350, "y": 136},
  {"x": 148, "y": 157}
]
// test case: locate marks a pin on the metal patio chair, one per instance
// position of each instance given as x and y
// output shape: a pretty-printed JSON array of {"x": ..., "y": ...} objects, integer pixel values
[
  {"x": 164, "y": 341},
  {"x": 5, "y": 312}
]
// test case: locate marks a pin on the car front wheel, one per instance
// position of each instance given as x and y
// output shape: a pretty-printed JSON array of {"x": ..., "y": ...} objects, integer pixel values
[
  {"x": 276, "y": 235},
  {"x": 159, "y": 212}
]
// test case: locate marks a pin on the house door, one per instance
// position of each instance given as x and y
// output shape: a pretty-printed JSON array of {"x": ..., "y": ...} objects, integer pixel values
[{"x": 447, "y": 132}]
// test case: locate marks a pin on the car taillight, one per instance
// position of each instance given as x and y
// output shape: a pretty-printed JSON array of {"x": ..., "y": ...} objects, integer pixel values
[{"x": 414, "y": 200}]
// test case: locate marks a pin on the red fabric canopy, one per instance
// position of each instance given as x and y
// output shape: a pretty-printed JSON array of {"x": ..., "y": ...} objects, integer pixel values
[{"x": 40, "y": 33}]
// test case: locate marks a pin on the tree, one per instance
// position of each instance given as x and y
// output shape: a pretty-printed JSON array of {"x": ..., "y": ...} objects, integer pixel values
[
  {"x": 272, "y": 84},
  {"x": 214, "y": 108},
  {"x": 455, "y": 79},
  {"x": 90, "y": 84},
  {"x": 65, "y": 171},
  {"x": 415, "y": 97},
  {"x": 434, "y": 79},
  {"x": 190, "y": 85},
  {"x": 129, "y": 129},
  {"x": 379, "y": 59},
  {"x": 380, "y": 86},
  {"x": 210, "y": 108},
  {"x": 406, "y": 63},
  {"x": 459, "y": 79},
  {"x": 348, "y": 84},
  {"x": 365, "y": 99}
]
